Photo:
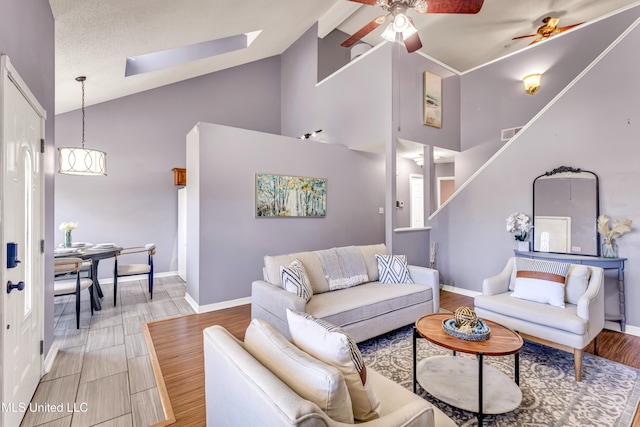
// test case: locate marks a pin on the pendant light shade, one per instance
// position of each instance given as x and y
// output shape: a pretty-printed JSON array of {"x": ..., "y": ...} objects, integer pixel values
[{"x": 80, "y": 160}]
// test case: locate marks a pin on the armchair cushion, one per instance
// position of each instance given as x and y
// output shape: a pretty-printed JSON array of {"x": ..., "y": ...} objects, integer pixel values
[
  {"x": 294, "y": 279},
  {"x": 313, "y": 380},
  {"x": 334, "y": 346}
]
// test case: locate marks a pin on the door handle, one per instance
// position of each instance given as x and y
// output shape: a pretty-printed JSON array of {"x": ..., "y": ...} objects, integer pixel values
[{"x": 12, "y": 286}]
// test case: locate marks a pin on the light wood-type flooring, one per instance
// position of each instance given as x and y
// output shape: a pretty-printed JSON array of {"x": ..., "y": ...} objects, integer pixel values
[
  {"x": 102, "y": 371},
  {"x": 177, "y": 344}
]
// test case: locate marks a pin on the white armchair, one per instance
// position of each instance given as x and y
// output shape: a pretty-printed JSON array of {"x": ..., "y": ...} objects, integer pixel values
[{"x": 570, "y": 328}]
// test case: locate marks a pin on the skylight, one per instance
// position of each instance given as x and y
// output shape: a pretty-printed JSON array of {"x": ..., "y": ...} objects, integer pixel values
[{"x": 181, "y": 55}]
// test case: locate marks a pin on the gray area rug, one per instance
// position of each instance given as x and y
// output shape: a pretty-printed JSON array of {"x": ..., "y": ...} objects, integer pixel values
[{"x": 607, "y": 395}]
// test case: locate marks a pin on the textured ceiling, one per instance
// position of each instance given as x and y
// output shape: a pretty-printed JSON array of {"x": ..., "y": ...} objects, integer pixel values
[{"x": 95, "y": 37}]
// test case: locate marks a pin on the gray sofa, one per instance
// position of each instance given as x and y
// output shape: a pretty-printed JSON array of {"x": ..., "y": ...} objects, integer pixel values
[
  {"x": 364, "y": 311},
  {"x": 241, "y": 391}
]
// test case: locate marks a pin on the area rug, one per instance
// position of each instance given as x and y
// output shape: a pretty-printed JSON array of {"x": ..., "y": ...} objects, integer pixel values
[{"x": 607, "y": 395}]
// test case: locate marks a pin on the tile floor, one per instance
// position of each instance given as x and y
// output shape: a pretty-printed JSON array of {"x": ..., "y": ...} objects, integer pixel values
[{"x": 102, "y": 375}]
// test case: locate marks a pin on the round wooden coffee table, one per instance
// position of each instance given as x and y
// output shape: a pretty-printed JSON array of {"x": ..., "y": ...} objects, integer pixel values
[{"x": 455, "y": 380}]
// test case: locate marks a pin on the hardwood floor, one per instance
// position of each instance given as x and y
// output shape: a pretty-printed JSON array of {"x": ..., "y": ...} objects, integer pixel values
[{"x": 176, "y": 346}]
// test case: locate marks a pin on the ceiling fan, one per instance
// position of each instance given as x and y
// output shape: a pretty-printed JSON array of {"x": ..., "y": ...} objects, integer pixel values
[
  {"x": 549, "y": 28},
  {"x": 401, "y": 25}
]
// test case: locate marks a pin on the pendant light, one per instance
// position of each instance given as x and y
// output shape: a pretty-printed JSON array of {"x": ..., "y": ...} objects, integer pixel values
[{"x": 82, "y": 161}]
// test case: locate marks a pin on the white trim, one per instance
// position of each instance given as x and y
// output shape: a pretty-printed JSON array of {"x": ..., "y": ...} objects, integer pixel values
[
  {"x": 408, "y": 229},
  {"x": 199, "y": 309},
  {"x": 461, "y": 291},
  {"x": 134, "y": 278},
  {"x": 51, "y": 357},
  {"x": 442, "y": 64},
  {"x": 537, "y": 116}
]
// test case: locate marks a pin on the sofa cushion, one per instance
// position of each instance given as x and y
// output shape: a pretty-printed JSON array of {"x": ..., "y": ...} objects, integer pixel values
[
  {"x": 294, "y": 279},
  {"x": 334, "y": 346},
  {"x": 541, "y": 314},
  {"x": 393, "y": 269},
  {"x": 311, "y": 265},
  {"x": 540, "y": 281},
  {"x": 366, "y": 301},
  {"x": 369, "y": 254},
  {"x": 310, "y": 378}
]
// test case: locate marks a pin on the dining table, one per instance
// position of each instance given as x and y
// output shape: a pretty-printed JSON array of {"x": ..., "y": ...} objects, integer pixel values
[{"x": 95, "y": 253}]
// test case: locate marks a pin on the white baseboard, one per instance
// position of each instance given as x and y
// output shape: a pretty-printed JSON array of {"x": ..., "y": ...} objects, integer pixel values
[
  {"x": 460, "y": 291},
  {"x": 215, "y": 306},
  {"x": 109, "y": 280},
  {"x": 612, "y": 326},
  {"x": 51, "y": 356}
]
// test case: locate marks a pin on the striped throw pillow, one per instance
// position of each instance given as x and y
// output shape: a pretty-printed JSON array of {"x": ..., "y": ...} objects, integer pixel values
[
  {"x": 393, "y": 269},
  {"x": 294, "y": 279},
  {"x": 541, "y": 281}
]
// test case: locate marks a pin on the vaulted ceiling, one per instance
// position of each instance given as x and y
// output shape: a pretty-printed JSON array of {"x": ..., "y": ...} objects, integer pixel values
[{"x": 94, "y": 38}]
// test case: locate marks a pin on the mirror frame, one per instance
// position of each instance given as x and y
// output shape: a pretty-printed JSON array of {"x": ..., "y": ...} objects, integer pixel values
[{"x": 568, "y": 169}]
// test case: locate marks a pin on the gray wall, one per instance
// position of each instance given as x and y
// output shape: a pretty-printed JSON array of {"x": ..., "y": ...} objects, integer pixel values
[
  {"x": 491, "y": 96},
  {"x": 232, "y": 241},
  {"x": 26, "y": 35},
  {"x": 144, "y": 137},
  {"x": 594, "y": 126},
  {"x": 332, "y": 56}
]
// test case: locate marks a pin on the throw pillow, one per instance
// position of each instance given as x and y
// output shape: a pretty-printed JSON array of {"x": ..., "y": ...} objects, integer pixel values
[
  {"x": 310, "y": 378},
  {"x": 393, "y": 269},
  {"x": 294, "y": 279},
  {"x": 540, "y": 281},
  {"x": 577, "y": 283},
  {"x": 334, "y": 346}
]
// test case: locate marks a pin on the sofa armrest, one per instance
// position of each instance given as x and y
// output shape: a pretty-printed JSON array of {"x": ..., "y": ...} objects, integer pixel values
[
  {"x": 275, "y": 299},
  {"x": 500, "y": 283},
  {"x": 428, "y": 277}
]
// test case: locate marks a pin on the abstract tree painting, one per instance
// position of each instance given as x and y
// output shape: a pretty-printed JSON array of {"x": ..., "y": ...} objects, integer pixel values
[{"x": 290, "y": 196}]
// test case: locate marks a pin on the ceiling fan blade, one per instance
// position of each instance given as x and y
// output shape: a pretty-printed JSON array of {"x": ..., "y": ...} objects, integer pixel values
[
  {"x": 568, "y": 27},
  {"x": 413, "y": 43},
  {"x": 552, "y": 23},
  {"x": 364, "y": 31},
  {"x": 537, "y": 40},
  {"x": 524, "y": 37},
  {"x": 369, "y": 2},
  {"x": 454, "y": 6}
]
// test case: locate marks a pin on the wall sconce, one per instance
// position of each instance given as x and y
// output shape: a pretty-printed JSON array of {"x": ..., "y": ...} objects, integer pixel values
[
  {"x": 311, "y": 134},
  {"x": 532, "y": 83}
]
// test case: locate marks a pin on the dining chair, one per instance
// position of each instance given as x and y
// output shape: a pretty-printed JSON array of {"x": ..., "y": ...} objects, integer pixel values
[
  {"x": 122, "y": 270},
  {"x": 71, "y": 286}
]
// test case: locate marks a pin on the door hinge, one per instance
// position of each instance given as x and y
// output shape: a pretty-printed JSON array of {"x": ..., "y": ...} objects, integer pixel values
[
  {"x": 41, "y": 347},
  {"x": 42, "y": 145},
  {"x": 41, "y": 246}
]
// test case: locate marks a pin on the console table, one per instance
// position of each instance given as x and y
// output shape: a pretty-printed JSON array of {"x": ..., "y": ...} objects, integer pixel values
[{"x": 604, "y": 263}]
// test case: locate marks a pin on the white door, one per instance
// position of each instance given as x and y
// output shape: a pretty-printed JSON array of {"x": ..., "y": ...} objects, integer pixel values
[
  {"x": 182, "y": 233},
  {"x": 21, "y": 217},
  {"x": 416, "y": 214}
]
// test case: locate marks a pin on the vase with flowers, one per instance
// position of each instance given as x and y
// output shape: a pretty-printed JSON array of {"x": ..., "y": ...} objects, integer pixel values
[
  {"x": 67, "y": 227},
  {"x": 520, "y": 224},
  {"x": 610, "y": 233}
]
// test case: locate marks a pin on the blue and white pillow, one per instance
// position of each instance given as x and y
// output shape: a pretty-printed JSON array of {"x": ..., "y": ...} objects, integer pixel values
[
  {"x": 393, "y": 269},
  {"x": 295, "y": 280}
]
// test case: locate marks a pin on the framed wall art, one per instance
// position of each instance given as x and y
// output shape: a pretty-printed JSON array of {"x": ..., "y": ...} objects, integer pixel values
[
  {"x": 432, "y": 100},
  {"x": 290, "y": 196}
]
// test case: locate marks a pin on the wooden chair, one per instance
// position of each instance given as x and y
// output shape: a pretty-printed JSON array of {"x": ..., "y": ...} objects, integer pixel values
[
  {"x": 71, "y": 286},
  {"x": 122, "y": 270}
]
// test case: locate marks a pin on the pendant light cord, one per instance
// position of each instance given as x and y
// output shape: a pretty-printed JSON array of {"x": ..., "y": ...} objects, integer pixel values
[{"x": 82, "y": 113}]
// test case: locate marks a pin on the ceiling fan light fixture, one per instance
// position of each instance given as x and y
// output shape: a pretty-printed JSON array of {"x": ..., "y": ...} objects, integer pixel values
[
  {"x": 411, "y": 30},
  {"x": 421, "y": 6},
  {"x": 401, "y": 22},
  {"x": 389, "y": 33}
]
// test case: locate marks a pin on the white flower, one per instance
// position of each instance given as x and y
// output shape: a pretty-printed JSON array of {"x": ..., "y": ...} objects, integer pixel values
[
  {"x": 68, "y": 226},
  {"x": 519, "y": 224}
]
